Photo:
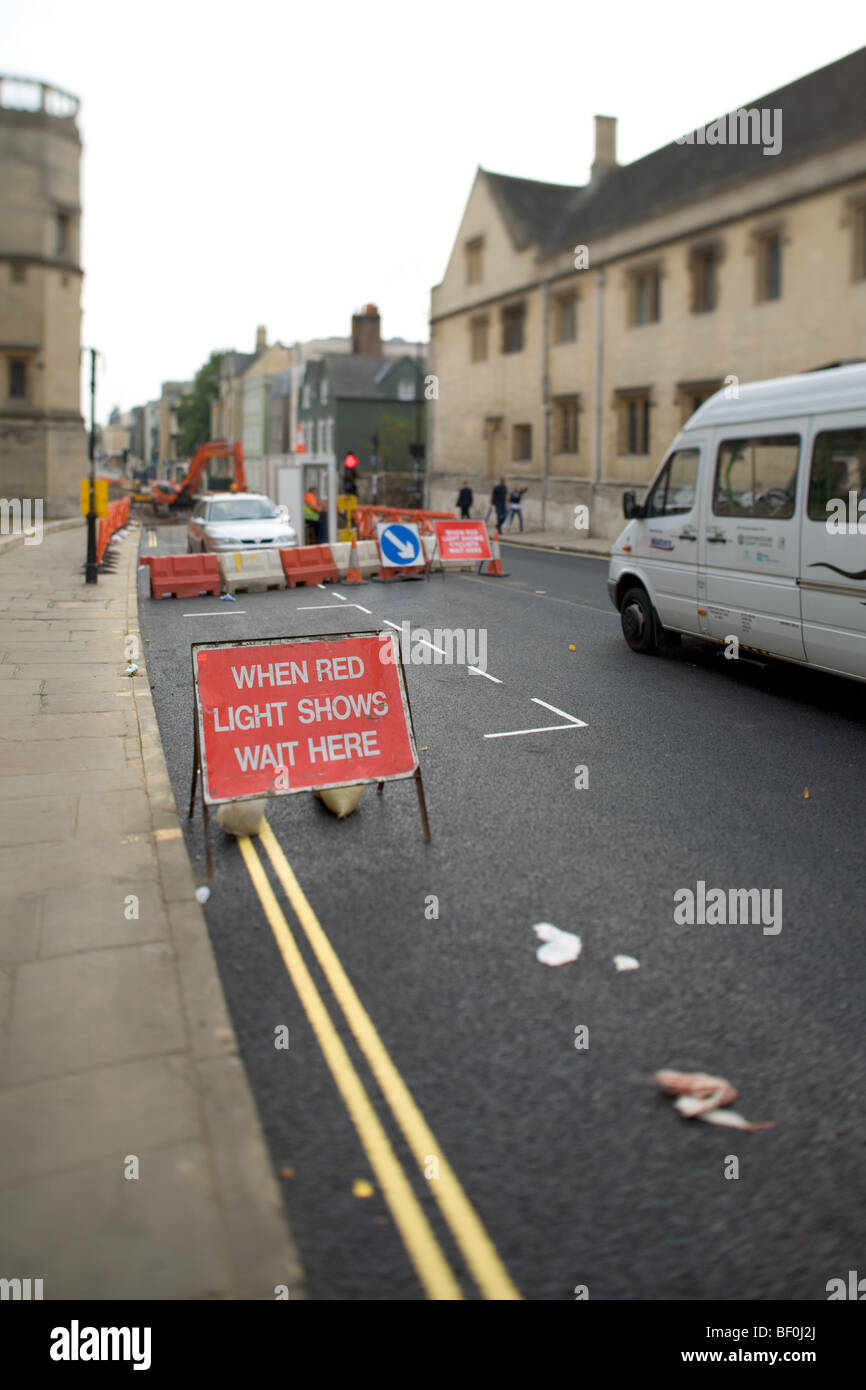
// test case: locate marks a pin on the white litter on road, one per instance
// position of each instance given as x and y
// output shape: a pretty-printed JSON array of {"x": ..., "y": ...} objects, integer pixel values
[
  {"x": 202, "y": 894},
  {"x": 559, "y": 946},
  {"x": 626, "y": 963}
]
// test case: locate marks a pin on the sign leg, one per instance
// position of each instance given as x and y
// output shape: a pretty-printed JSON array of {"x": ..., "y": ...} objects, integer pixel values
[
  {"x": 195, "y": 761},
  {"x": 422, "y": 805},
  {"x": 207, "y": 849}
]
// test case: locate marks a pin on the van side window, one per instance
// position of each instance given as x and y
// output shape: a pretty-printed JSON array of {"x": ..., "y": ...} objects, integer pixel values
[
  {"x": 838, "y": 468},
  {"x": 757, "y": 476},
  {"x": 673, "y": 492}
]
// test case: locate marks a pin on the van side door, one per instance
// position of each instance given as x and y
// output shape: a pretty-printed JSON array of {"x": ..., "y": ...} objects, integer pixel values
[
  {"x": 666, "y": 538},
  {"x": 750, "y": 538},
  {"x": 833, "y": 546}
]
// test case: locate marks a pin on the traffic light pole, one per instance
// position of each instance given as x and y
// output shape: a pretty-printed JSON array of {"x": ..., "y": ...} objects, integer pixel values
[{"x": 91, "y": 568}]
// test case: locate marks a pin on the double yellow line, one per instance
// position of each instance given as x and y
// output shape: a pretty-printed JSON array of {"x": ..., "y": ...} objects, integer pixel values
[{"x": 424, "y": 1250}]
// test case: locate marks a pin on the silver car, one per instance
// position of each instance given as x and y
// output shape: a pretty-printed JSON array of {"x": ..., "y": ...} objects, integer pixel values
[{"x": 237, "y": 520}]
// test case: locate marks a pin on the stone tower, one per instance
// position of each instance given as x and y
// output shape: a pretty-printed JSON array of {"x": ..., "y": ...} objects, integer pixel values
[{"x": 43, "y": 448}]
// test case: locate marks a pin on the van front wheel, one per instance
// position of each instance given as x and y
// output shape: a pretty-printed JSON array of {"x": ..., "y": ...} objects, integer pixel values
[{"x": 638, "y": 621}]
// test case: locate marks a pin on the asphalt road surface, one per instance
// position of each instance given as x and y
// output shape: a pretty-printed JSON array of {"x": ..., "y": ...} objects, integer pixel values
[{"x": 574, "y": 1169}]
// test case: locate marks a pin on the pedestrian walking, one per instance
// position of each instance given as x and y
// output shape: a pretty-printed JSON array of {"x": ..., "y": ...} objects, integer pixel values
[
  {"x": 464, "y": 500},
  {"x": 499, "y": 502},
  {"x": 514, "y": 507}
]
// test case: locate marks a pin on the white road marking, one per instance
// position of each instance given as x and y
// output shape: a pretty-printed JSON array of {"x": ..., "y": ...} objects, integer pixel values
[
  {"x": 573, "y": 723},
  {"x": 362, "y": 608},
  {"x": 394, "y": 625},
  {"x": 217, "y": 613},
  {"x": 554, "y": 710},
  {"x": 422, "y": 642},
  {"x": 342, "y": 597},
  {"x": 477, "y": 671},
  {"x": 314, "y": 607},
  {"x": 548, "y": 729}
]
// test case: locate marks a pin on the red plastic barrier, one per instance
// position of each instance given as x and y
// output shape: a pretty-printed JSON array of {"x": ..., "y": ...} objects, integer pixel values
[
  {"x": 184, "y": 576},
  {"x": 118, "y": 515},
  {"x": 366, "y": 518},
  {"x": 308, "y": 564}
]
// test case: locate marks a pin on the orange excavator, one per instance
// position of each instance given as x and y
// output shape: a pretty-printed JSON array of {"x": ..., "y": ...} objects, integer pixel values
[{"x": 167, "y": 495}]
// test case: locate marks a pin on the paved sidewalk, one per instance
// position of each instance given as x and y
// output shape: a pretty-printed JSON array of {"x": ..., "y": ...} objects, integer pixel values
[
  {"x": 115, "y": 1044},
  {"x": 577, "y": 542}
]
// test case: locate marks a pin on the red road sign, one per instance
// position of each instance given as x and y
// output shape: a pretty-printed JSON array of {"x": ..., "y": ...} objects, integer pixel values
[
  {"x": 462, "y": 540},
  {"x": 298, "y": 713}
]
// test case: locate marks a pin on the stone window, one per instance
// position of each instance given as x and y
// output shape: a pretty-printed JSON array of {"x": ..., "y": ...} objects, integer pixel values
[
  {"x": 691, "y": 394},
  {"x": 645, "y": 295},
  {"x": 704, "y": 265},
  {"x": 858, "y": 223},
  {"x": 513, "y": 319},
  {"x": 478, "y": 339},
  {"x": 633, "y": 421},
  {"x": 521, "y": 443},
  {"x": 565, "y": 425},
  {"x": 63, "y": 226},
  {"x": 475, "y": 261},
  {"x": 18, "y": 378},
  {"x": 768, "y": 265},
  {"x": 565, "y": 318}
]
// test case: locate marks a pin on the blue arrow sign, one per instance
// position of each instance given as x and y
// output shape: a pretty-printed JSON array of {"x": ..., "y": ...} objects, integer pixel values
[{"x": 400, "y": 544}]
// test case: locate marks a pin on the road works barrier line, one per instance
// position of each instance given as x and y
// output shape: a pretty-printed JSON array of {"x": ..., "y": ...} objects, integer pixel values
[
  {"x": 478, "y": 1250},
  {"x": 424, "y": 1251}
]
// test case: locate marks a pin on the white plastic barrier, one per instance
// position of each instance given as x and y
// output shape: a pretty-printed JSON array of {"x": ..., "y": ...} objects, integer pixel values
[
  {"x": 367, "y": 553},
  {"x": 253, "y": 570}
]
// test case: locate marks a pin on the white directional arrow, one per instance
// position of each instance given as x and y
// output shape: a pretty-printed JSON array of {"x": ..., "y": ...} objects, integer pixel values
[{"x": 405, "y": 549}]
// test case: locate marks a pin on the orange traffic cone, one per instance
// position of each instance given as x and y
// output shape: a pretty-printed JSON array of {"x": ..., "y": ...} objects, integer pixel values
[
  {"x": 353, "y": 574},
  {"x": 494, "y": 566}
]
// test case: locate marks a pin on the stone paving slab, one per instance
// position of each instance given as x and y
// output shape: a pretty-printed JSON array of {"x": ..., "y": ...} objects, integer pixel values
[{"x": 115, "y": 1041}]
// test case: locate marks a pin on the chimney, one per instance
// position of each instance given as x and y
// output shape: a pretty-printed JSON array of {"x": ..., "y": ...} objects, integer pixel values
[
  {"x": 605, "y": 147},
  {"x": 261, "y": 339},
  {"x": 366, "y": 332}
]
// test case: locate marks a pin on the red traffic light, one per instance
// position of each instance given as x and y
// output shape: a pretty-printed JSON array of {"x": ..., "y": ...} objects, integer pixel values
[{"x": 350, "y": 461}]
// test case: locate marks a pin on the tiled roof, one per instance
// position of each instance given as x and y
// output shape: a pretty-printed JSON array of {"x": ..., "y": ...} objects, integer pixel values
[{"x": 825, "y": 109}]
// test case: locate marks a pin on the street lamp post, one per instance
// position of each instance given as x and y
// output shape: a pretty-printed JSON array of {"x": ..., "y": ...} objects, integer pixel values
[{"x": 91, "y": 568}]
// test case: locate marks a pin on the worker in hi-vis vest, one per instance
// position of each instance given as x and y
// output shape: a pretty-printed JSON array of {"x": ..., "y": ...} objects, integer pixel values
[{"x": 314, "y": 517}]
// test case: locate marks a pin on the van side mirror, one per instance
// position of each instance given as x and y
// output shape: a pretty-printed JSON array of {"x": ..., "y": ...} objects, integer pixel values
[{"x": 630, "y": 507}]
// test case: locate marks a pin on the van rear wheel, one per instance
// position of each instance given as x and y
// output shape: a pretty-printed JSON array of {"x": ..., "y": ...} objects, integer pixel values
[{"x": 638, "y": 621}]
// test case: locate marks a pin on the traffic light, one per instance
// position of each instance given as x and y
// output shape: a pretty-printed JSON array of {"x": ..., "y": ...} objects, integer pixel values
[{"x": 350, "y": 484}]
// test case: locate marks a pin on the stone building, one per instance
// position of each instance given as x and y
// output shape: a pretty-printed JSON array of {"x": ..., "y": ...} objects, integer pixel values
[
  {"x": 576, "y": 328},
  {"x": 168, "y": 427},
  {"x": 43, "y": 445}
]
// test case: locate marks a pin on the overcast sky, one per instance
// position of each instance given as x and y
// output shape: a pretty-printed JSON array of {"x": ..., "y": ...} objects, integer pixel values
[{"x": 282, "y": 163}]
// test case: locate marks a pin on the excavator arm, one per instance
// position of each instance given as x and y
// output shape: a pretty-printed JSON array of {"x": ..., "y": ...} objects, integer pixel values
[{"x": 181, "y": 494}]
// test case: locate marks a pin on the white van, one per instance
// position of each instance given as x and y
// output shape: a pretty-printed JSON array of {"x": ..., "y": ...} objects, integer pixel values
[{"x": 754, "y": 526}]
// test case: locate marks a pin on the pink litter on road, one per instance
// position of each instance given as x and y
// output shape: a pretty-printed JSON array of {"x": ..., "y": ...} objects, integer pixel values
[{"x": 699, "y": 1097}]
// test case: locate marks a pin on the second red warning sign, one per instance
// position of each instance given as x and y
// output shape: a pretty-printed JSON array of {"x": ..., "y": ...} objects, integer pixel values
[
  {"x": 301, "y": 714},
  {"x": 462, "y": 540}
]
